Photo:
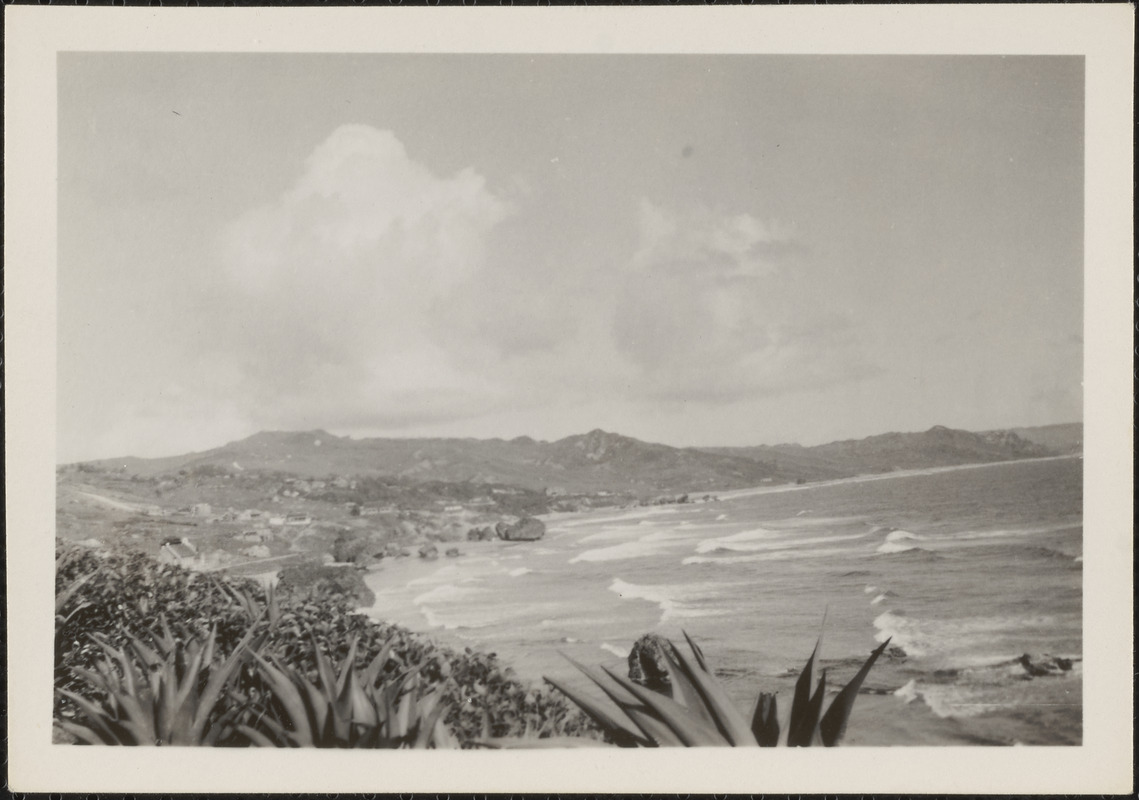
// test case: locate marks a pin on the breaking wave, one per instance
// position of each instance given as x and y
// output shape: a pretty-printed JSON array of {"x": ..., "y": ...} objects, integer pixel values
[{"x": 674, "y": 601}]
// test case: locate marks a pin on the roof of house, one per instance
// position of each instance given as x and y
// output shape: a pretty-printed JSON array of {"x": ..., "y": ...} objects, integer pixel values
[{"x": 180, "y": 550}]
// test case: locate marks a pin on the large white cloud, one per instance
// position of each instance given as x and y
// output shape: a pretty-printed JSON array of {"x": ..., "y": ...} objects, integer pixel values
[
  {"x": 337, "y": 280},
  {"x": 366, "y": 300}
]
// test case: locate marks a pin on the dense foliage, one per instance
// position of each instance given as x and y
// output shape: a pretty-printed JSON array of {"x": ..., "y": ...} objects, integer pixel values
[{"x": 109, "y": 604}]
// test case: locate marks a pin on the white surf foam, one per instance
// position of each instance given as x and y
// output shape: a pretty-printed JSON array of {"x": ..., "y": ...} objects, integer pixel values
[
  {"x": 731, "y": 544},
  {"x": 899, "y": 542},
  {"x": 647, "y": 544},
  {"x": 446, "y": 593},
  {"x": 726, "y": 542},
  {"x": 785, "y": 554},
  {"x": 609, "y": 533},
  {"x": 1007, "y": 533},
  {"x": 674, "y": 600},
  {"x": 514, "y": 573},
  {"x": 955, "y": 637},
  {"x": 620, "y": 652},
  {"x": 901, "y": 631}
]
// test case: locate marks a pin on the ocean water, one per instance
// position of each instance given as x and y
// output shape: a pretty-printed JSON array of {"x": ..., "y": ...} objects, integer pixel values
[{"x": 965, "y": 569}]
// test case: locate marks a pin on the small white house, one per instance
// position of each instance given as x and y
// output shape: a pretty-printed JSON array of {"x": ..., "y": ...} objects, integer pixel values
[{"x": 177, "y": 551}]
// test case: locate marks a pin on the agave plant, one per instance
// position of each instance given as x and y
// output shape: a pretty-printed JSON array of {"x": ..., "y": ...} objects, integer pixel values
[
  {"x": 152, "y": 698},
  {"x": 697, "y": 711},
  {"x": 348, "y": 709}
]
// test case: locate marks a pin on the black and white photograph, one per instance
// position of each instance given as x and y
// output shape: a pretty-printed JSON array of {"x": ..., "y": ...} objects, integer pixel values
[{"x": 561, "y": 402}]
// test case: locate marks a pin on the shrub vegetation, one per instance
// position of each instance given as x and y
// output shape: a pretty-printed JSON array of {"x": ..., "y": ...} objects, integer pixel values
[{"x": 114, "y": 611}]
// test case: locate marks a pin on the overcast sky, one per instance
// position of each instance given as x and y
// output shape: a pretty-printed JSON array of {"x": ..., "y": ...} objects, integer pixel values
[{"x": 687, "y": 249}]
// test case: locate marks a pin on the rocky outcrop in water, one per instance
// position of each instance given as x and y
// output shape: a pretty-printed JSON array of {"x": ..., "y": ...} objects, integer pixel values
[
  {"x": 647, "y": 663},
  {"x": 1041, "y": 666},
  {"x": 484, "y": 534},
  {"x": 526, "y": 529}
]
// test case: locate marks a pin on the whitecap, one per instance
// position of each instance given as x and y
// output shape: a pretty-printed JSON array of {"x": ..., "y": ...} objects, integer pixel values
[
  {"x": 636, "y": 549},
  {"x": 786, "y": 554},
  {"x": 671, "y": 599},
  {"x": 909, "y": 692},
  {"x": 726, "y": 542},
  {"x": 620, "y": 652},
  {"x": 434, "y": 621},
  {"x": 901, "y": 631},
  {"x": 514, "y": 573},
  {"x": 897, "y": 542},
  {"x": 447, "y": 593},
  {"x": 730, "y": 544},
  {"x": 878, "y": 599}
]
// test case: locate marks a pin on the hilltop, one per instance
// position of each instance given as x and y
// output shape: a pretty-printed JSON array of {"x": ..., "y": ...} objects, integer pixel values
[
  {"x": 599, "y": 462},
  {"x": 937, "y": 447}
]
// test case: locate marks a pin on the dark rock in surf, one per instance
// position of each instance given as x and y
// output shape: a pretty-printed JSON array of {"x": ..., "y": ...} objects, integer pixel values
[
  {"x": 484, "y": 534},
  {"x": 895, "y": 653},
  {"x": 1044, "y": 665},
  {"x": 526, "y": 529},
  {"x": 648, "y": 665},
  {"x": 429, "y": 551}
]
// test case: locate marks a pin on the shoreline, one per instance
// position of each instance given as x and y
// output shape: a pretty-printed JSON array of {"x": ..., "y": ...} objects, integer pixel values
[{"x": 732, "y": 494}]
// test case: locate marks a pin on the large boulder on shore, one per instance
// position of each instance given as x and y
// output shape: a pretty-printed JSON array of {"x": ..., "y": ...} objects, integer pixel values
[
  {"x": 338, "y": 579},
  {"x": 526, "y": 529},
  {"x": 484, "y": 534},
  {"x": 647, "y": 663}
]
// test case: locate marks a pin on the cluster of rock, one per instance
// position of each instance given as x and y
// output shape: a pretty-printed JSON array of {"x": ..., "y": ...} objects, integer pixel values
[
  {"x": 430, "y": 551},
  {"x": 1044, "y": 665},
  {"x": 527, "y": 529},
  {"x": 484, "y": 534}
]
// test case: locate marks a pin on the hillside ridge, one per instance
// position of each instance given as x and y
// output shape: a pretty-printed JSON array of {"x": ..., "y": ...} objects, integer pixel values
[{"x": 605, "y": 461}]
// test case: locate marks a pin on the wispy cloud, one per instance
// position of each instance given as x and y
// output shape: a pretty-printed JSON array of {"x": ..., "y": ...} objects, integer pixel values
[{"x": 708, "y": 311}]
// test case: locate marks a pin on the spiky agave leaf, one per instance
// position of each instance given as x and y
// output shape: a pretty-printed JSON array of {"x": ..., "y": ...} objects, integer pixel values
[
  {"x": 623, "y": 734},
  {"x": 833, "y": 725},
  {"x": 683, "y": 690},
  {"x": 726, "y": 716},
  {"x": 802, "y": 699},
  {"x": 690, "y": 728},
  {"x": 643, "y": 718},
  {"x": 765, "y": 720},
  {"x": 159, "y": 704},
  {"x": 698, "y": 704},
  {"x": 614, "y": 716},
  {"x": 343, "y": 712}
]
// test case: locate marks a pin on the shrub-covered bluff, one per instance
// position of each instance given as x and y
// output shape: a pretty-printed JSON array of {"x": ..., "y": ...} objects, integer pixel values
[{"x": 109, "y": 599}]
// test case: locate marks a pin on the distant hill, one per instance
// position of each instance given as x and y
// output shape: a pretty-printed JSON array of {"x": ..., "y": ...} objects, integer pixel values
[
  {"x": 592, "y": 462},
  {"x": 599, "y": 461},
  {"x": 937, "y": 447},
  {"x": 1065, "y": 438}
]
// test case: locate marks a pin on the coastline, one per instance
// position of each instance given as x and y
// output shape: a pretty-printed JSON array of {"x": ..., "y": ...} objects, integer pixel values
[{"x": 456, "y": 601}]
